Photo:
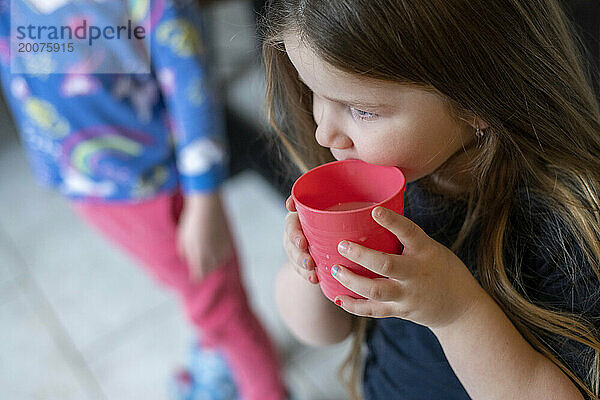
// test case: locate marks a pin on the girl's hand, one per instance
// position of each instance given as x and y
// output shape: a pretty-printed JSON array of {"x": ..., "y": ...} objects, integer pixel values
[
  {"x": 428, "y": 284},
  {"x": 296, "y": 245},
  {"x": 204, "y": 241}
]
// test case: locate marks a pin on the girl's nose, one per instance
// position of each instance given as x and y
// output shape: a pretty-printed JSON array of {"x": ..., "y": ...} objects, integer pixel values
[
  {"x": 330, "y": 130},
  {"x": 329, "y": 135}
]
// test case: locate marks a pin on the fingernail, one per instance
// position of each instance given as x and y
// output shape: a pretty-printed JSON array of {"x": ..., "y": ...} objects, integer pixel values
[
  {"x": 306, "y": 263},
  {"x": 312, "y": 278},
  {"x": 298, "y": 240},
  {"x": 335, "y": 270},
  {"x": 378, "y": 212},
  {"x": 343, "y": 246},
  {"x": 338, "y": 302}
]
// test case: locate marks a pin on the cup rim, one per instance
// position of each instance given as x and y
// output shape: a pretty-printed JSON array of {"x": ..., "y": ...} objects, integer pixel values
[{"x": 353, "y": 161}]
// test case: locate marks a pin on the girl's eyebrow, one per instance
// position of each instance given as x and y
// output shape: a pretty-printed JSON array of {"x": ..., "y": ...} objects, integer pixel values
[{"x": 357, "y": 103}]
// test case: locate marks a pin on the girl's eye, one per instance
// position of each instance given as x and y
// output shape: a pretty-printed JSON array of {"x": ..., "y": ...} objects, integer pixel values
[{"x": 362, "y": 115}]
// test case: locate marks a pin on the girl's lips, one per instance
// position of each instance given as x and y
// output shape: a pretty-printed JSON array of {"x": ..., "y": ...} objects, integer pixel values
[{"x": 340, "y": 157}]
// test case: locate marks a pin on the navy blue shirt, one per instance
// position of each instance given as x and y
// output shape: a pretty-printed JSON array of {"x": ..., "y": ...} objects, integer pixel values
[{"x": 406, "y": 361}]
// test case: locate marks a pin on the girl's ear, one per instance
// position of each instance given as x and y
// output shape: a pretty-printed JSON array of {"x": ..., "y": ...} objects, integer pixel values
[
  {"x": 478, "y": 123},
  {"x": 474, "y": 121}
]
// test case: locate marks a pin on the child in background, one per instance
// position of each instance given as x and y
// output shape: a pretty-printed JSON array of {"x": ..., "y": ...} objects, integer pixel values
[
  {"x": 485, "y": 107},
  {"x": 141, "y": 157}
]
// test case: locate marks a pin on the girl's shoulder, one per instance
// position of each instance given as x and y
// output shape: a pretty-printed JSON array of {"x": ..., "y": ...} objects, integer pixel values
[{"x": 548, "y": 261}]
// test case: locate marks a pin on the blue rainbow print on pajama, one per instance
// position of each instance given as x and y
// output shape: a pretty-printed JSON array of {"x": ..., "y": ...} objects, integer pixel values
[{"x": 98, "y": 159}]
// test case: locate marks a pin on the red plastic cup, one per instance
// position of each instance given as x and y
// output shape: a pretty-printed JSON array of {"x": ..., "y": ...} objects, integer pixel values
[{"x": 334, "y": 203}]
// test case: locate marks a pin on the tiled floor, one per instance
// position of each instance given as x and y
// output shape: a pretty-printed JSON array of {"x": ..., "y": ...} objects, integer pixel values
[{"x": 80, "y": 321}]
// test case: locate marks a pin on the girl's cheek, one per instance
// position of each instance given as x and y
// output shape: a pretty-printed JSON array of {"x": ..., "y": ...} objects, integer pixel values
[
  {"x": 376, "y": 153},
  {"x": 378, "y": 157}
]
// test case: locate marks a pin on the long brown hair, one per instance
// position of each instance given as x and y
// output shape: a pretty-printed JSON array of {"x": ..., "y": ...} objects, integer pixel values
[{"x": 512, "y": 63}]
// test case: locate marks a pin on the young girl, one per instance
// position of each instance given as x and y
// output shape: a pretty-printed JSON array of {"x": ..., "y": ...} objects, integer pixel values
[
  {"x": 485, "y": 107},
  {"x": 142, "y": 157}
]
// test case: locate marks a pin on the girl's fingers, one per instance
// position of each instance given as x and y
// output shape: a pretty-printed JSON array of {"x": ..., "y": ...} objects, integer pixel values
[
  {"x": 409, "y": 233},
  {"x": 379, "y": 289},
  {"x": 293, "y": 231},
  {"x": 366, "y": 307},
  {"x": 290, "y": 205},
  {"x": 388, "y": 265},
  {"x": 296, "y": 248},
  {"x": 300, "y": 257},
  {"x": 305, "y": 261},
  {"x": 303, "y": 264},
  {"x": 310, "y": 276}
]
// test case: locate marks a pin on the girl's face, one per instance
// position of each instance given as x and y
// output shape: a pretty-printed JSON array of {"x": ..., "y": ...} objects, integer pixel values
[{"x": 380, "y": 122}]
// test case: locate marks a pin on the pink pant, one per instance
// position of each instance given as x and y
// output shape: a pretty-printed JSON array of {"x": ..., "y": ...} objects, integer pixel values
[{"x": 217, "y": 306}]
